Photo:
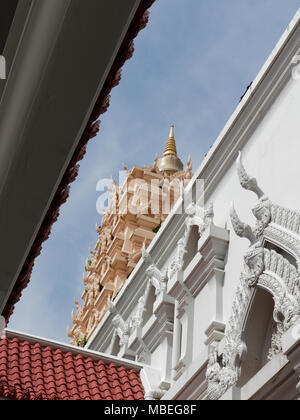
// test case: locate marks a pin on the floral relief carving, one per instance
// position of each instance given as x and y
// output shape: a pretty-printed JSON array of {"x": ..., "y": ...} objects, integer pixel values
[{"x": 284, "y": 238}]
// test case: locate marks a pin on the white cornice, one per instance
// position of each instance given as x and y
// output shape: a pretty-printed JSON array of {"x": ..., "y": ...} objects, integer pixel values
[{"x": 270, "y": 80}]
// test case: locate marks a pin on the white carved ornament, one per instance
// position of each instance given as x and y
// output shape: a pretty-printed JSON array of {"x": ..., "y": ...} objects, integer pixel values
[
  {"x": 262, "y": 268},
  {"x": 193, "y": 218},
  {"x": 122, "y": 328},
  {"x": 157, "y": 278}
]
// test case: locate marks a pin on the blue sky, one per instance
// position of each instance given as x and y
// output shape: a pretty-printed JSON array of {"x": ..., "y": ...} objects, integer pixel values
[{"x": 191, "y": 66}]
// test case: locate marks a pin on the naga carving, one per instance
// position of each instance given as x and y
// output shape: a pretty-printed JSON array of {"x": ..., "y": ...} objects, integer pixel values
[
  {"x": 193, "y": 219},
  {"x": 157, "y": 278},
  {"x": 122, "y": 328},
  {"x": 177, "y": 261},
  {"x": 196, "y": 216},
  {"x": 262, "y": 268},
  {"x": 254, "y": 257},
  {"x": 137, "y": 319}
]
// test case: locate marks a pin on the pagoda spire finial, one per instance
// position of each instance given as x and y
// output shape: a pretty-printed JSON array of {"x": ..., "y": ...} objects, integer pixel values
[
  {"x": 169, "y": 160},
  {"x": 171, "y": 144}
]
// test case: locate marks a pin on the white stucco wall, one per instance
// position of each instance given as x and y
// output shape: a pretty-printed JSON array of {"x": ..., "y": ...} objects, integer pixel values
[{"x": 272, "y": 156}]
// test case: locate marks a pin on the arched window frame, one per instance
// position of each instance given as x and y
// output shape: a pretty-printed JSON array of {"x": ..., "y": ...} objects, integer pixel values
[{"x": 263, "y": 268}]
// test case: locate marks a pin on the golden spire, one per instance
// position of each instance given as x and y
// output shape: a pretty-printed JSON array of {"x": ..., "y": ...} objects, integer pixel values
[
  {"x": 171, "y": 145},
  {"x": 169, "y": 160}
]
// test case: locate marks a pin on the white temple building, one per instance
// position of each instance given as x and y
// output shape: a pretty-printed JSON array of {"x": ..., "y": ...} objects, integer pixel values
[{"x": 212, "y": 310}]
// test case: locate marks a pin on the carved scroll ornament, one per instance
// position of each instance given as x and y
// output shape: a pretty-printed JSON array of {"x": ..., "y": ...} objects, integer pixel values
[{"x": 262, "y": 268}]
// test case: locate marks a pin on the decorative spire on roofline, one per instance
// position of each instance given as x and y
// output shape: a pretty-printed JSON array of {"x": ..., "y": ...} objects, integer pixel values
[
  {"x": 169, "y": 161},
  {"x": 171, "y": 145}
]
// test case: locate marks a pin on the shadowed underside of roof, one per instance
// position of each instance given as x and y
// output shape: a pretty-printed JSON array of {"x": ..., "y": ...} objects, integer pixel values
[{"x": 126, "y": 50}]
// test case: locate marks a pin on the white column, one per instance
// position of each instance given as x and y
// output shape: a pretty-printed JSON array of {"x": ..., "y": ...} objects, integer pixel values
[{"x": 176, "y": 338}]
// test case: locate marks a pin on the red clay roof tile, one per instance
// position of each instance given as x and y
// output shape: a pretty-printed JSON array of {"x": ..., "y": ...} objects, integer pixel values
[{"x": 33, "y": 372}]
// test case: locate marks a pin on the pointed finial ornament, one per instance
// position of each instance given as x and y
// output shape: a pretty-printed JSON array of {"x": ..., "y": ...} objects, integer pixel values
[
  {"x": 171, "y": 145},
  {"x": 169, "y": 160}
]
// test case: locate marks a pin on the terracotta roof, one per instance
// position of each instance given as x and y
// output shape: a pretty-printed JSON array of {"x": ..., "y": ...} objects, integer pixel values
[
  {"x": 126, "y": 50},
  {"x": 31, "y": 371}
]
